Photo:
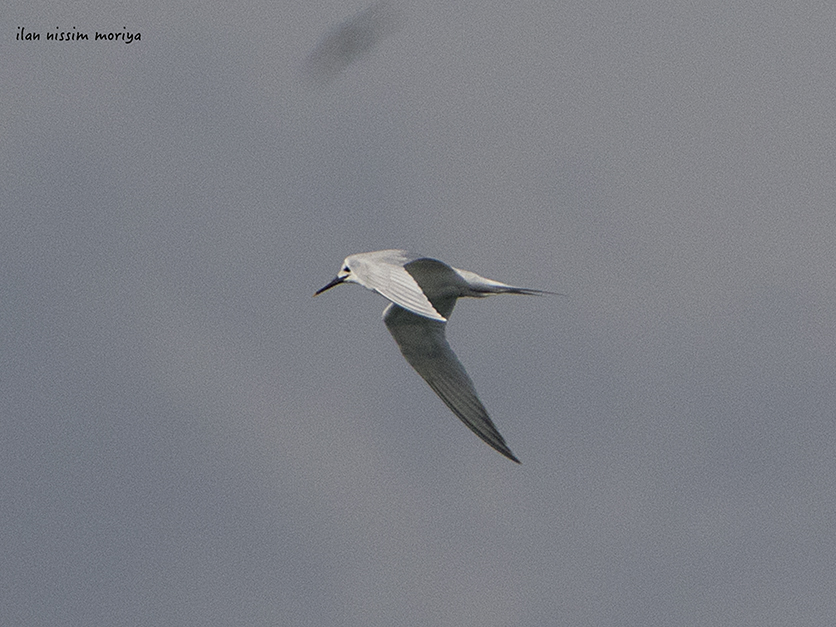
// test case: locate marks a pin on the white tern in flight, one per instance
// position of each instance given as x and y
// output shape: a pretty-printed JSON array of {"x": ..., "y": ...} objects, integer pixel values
[{"x": 423, "y": 292}]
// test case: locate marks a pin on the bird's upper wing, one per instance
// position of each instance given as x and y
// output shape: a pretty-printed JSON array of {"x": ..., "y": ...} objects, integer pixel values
[
  {"x": 390, "y": 279},
  {"x": 423, "y": 344}
]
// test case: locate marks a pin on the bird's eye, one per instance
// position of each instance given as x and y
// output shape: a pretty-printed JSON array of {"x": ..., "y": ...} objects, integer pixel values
[{"x": 345, "y": 269}]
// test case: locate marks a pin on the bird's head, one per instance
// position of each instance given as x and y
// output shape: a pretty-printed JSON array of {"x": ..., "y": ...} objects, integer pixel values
[{"x": 345, "y": 275}]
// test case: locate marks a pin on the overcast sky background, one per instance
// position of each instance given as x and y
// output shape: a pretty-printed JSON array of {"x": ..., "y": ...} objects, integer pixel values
[{"x": 190, "y": 439}]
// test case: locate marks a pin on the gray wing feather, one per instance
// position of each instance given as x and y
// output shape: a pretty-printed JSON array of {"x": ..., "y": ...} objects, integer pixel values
[
  {"x": 424, "y": 345},
  {"x": 386, "y": 275}
]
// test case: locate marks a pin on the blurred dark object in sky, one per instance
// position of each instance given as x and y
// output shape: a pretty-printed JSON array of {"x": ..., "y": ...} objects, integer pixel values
[{"x": 355, "y": 37}]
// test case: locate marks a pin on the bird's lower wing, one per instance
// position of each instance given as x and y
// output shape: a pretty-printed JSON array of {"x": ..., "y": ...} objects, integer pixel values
[{"x": 423, "y": 343}]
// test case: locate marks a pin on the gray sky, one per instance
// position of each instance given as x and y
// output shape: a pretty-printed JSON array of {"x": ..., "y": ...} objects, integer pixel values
[{"x": 191, "y": 439}]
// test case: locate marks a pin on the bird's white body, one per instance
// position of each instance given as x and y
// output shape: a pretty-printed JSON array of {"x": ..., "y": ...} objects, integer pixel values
[{"x": 423, "y": 292}]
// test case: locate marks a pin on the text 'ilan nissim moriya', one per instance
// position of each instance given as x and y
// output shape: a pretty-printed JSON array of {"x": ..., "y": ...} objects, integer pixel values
[{"x": 75, "y": 35}]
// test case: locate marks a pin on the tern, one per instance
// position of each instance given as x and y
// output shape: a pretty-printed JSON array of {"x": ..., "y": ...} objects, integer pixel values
[{"x": 423, "y": 292}]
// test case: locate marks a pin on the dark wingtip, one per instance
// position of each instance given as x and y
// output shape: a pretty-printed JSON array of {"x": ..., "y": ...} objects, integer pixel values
[
  {"x": 507, "y": 452},
  {"x": 502, "y": 448}
]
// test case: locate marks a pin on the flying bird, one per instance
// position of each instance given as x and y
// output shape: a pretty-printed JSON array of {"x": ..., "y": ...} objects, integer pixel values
[
  {"x": 352, "y": 39},
  {"x": 423, "y": 292}
]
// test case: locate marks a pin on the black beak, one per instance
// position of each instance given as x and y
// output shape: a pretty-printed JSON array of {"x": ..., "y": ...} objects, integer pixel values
[{"x": 336, "y": 281}]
